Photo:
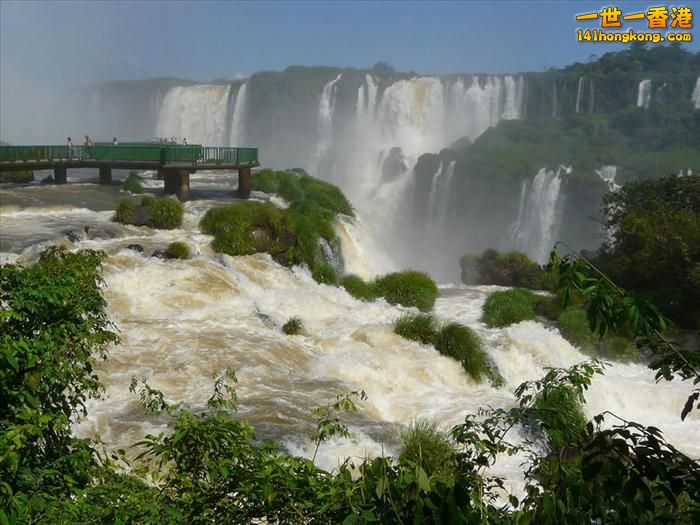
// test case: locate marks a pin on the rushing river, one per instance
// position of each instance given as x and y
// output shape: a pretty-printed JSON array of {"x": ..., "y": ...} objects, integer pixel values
[{"x": 182, "y": 323}]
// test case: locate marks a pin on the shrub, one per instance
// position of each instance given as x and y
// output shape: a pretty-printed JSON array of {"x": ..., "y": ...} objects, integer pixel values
[
  {"x": 508, "y": 307},
  {"x": 17, "y": 177},
  {"x": 425, "y": 444},
  {"x": 560, "y": 413},
  {"x": 461, "y": 343},
  {"x": 324, "y": 273},
  {"x": 408, "y": 288},
  {"x": 166, "y": 213},
  {"x": 265, "y": 181},
  {"x": 358, "y": 288},
  {"x": 147, "y": 200},
  {"x": 619, "y": 348},
  {"x": 133, "y": 184},
  {"x": 126, "y": 211},
  {"x": 417, "y": 327},
  {"x": 505, "y": 269},
  {"x": 293, "y": 326},
  {"x": 178, "y": 250},
  {"x": 573, "y": 325}
]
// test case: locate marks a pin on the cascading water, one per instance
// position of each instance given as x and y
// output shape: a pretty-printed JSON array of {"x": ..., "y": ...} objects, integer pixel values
[
  {"x": 608, "y": 174},
  {"x": 326, "y": 106},
  {"x": 644, "y": 94},
  {"x": 541, "y": 206},
  {"x": 183, "y": 321},
  {"x": 695, "y": 96},
  {"x": 579, "y": 93},
  {"x": 237, "y": 126},
  {"x": 197, "y": 113}
]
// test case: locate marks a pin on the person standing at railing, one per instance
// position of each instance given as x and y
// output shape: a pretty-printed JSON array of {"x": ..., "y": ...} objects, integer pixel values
[
  {"x": 69, "y": 143},
  {"x": 184, "y": 141},
  {"x": 115, "y": 142}
]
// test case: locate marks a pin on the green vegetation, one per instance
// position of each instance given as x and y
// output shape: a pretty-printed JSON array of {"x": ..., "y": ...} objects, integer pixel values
[
  {"x": 133, "y": 184},
  {"x": 164, "y": 212},
  {"x": 461, "y": 343},
  {"x": 429, "y": 447},
  {"x": 560, "y": 413},
  {"x": 655, "y": 249},
  {"x": 208, "y": 467},
  {"x": 358, "y": 288},
  {"x": 408, "y": 288},
  {"x": 510, "y": 306},
  {"x": 178, "y": 250},
  {"x": 451, "y": 339},
  {"x": 504, "y": 269},
  {"x": 417, "y": 327},
  {"x": 294, "y": 326},
  {"x": 17, "y": 177},
  {"x": 324, "y": 273}
]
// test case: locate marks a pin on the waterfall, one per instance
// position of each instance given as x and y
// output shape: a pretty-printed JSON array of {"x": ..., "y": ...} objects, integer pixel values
[
  {"x": 237, "y": 126},
  {"x": 326, "y": 107},
  {"x": 579, "y": 92},
  {"x": 541, "y": 206},
  {"x": 608, "y": 174},
  {"x": 197, "y": 113},
  {"x": 695, "y": 97},
  {"x": 644, "y": 94}
]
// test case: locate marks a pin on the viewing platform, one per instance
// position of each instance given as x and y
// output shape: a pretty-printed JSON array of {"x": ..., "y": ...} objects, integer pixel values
[{"x": 174, "y": 162}]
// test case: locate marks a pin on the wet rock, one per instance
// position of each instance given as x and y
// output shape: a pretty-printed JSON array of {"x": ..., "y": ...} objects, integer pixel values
[
  {"x": 331, "y": 256},
  {"x": 135, "y": 247},
  {"x": 162, "y": 254},
  {"x": 394, "y": 165},
  {"x": 219, "y": 258},
  {"x": 267, "y": 320},
  {"x": 47, "y": 180},
  {"x": 73, "y": 235}
]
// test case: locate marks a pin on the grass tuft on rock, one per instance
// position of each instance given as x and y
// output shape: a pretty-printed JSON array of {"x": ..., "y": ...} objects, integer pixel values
[
  {"x": 125, "y": 212},
  {"x": 178, "y": 250},
  {"x": 408, "y": 288},
  {"x": 425, "y": 444},
  {"x": 324, "y": 273},
  {"x": 417, "y": 327},
  {"x": 510, "y": 306},
  {"x": 294, "y": 326},
  {"x": 166, "y": 213},
  {"x": 358, "y": 288},
  {"x": 461, "y": 343},
  {"x": 133, "y": 184},
  {"x": 573, "y": 326}
]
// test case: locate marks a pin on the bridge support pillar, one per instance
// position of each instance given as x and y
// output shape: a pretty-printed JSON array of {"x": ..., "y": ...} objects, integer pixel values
[
  {"x": 60, "y": 175},
  {"x": 177, "y": 182},
  {"x": 105, "y": 175},
  {"x": 244, "y": 182}
]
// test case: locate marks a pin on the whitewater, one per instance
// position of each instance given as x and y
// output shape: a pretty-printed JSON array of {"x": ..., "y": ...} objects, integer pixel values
[{"x": 183, "y": 322}]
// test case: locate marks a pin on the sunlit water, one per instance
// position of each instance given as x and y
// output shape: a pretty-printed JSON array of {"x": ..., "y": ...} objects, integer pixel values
[{"x": 182, "y": 323}]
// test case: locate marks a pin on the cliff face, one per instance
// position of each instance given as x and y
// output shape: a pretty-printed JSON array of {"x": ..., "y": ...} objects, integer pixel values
[{"x": 514, "y": 159}]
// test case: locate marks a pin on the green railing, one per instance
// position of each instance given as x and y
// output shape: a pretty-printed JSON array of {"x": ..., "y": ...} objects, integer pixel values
[{"x": 132, "y": 152}]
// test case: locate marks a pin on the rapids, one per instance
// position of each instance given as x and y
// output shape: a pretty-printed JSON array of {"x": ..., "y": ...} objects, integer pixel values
[{"x": 182, "y": 323}]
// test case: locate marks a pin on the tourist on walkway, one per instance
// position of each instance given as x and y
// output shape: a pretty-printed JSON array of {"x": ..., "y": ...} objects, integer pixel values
[
  {"x": 69, "y": 143},
  {"x": 115, "y": 142}
]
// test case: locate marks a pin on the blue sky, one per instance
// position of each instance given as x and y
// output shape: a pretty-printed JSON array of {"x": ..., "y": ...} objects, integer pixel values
[{"x": 77, "y": 43}]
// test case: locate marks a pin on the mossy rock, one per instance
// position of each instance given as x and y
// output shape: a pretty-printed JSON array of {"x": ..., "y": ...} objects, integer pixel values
[
  {"x": 417, "y": 327},
  {"x": 125, "y": 212},
  {"x": 510, "y": 306},
  {"x": 133, "y": 184},
  {"x": 166, "y": 213},
  {"x": 573, "y": 325},
  {"x": 324, "y": 273},
  {"x": 359, "y": 288}
]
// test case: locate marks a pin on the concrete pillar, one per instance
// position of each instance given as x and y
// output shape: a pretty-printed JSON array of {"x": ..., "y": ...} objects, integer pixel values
[
  {"x": 105, "y": 175},
  {"x": 177, "y": 182},
  {"x": 60, "y": 175},
  {"x": 244, "y": 182},
  {"x": 161, "y": 174}
]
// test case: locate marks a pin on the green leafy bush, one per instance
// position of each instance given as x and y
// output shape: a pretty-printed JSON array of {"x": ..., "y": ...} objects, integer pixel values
[
  {"x": 359, "y": 288},
  {"x": 561, "y": 415},
  {"x": 294, "y": 326},
  {"x": 417, "y": 327},
  {"x": 125, "y": 212},
  {"x": 461, "y": 343},
  {"x": 178, "y": 250},
  {"x": 504, "y": 269},
  {"x": 425, "y": 444},
  {"x": 166, "y": 213},
  {"x": 408, "y": 288},
  {"x": 508, "y": 307},
  {"x": 147, "y": 200},
  {"x": 133, "y": 184}
]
